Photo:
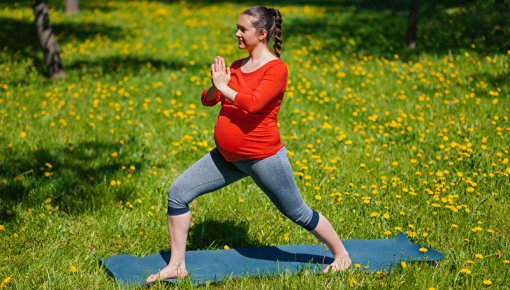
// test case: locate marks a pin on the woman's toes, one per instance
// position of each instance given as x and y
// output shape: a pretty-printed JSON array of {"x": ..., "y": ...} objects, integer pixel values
[{"x": 151, "y": 278}]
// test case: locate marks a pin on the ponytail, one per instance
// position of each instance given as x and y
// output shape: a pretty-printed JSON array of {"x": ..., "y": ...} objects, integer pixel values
[{"x": 277, "y": 31}]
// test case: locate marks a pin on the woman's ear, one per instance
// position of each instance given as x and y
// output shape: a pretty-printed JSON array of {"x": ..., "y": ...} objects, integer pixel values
[{"x": 262, "y": 34}]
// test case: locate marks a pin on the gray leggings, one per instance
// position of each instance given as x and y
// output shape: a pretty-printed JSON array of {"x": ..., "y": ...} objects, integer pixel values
[{"x": 272, "y": 174}]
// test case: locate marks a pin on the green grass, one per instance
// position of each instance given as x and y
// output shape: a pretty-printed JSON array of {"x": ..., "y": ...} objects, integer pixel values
[{"x": 381, "y": 140}]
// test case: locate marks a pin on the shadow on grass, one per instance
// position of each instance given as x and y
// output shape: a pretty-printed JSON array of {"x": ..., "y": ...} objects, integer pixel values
[
  {"x": 213, "y": 234},
  {"x": 125, "y": 65},
  {"x": 20, "y": 36},
  {"x": 76, "y": 177}
]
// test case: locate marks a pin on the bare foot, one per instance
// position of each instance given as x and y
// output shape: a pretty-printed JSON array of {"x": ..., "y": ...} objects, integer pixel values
[
  {"x": 168, "y": 272},
  {"x": 340, "y": 264}
]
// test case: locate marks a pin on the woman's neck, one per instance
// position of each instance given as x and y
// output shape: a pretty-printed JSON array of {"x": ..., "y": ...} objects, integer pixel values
[{"x": 259, "y": 53}]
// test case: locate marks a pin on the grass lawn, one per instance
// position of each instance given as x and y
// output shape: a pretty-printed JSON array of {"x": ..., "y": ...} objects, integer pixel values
[{"x": 381, "y": 140}]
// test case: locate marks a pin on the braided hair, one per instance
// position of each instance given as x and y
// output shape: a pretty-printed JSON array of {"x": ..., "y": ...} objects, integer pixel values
[{"x": 269, "y": 19}]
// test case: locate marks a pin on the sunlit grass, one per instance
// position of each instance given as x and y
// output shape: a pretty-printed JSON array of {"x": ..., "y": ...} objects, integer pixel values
[{"x": 380, "y": 141}]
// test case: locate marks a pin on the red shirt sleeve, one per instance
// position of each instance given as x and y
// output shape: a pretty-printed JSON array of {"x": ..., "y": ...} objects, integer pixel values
[
  {"x": 207, "y": 102},
  {"x": 272, "y": 84}
]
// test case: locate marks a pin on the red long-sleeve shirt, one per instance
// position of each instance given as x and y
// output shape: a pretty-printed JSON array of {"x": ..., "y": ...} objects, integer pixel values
[{"x": 247, "y": 129}]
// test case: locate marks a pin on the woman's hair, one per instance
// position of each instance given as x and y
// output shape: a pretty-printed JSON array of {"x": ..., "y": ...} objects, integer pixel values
[{"x": 269, "y": 19}]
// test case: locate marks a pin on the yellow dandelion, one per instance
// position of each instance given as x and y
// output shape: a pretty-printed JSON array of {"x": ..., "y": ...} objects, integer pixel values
[
  {"x": 114, "y": 154},
  {"x": 326, "y": 126},
  {"x": 113, "y": 183},
  {"x": 226, "y": 247},
  {"x": 2, "y": 227},
  {"x": 357, "y": 266},
  {"x": 6, "y": 281},
  {"x": 374, "y": 214},
  {"x": 73, "y": 269},
  {"x": 318, "y": 197},
  {"x": 506, "y": 262},
  {"x": 470, "y": 262},
  {"x": 479, "y": 256},
  {"x": 150, "y": 213},
  {"x": 465, "y": 271},
  {"x": 23, "y": 135},
  {"x": 423, "y": 250},
  {"x": 403, "y": 264},
  {"x": 487, "y": 282}
]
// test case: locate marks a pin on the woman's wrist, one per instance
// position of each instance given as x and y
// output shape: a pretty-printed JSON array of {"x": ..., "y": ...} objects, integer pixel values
[{"x": 221, "y": 87}]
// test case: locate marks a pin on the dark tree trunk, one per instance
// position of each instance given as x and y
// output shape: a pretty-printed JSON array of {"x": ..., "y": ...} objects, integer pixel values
[
  {"x": 412, "y": 24},
  {"x": 47, "y": 39},
  {"x": 72, "y": 7}
]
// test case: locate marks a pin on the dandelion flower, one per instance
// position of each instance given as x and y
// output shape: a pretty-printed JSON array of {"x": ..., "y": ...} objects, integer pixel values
[
  {"x": 226, "y": 247},
  {"x": 423, "y": 250},
  {"x": 465, "y": 271},
  {"x": 479, "y": 256},
  {"x": 73, "y": 269},
  {"x": 6, "y": 280},
  {"x": 352, "y": 282},
  {"x": 487, "y": 282}
]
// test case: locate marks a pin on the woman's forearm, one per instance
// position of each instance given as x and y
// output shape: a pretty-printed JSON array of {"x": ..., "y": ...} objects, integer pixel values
[
  {"x": 211, "y": 94},
  {"x": 227, "y": 92}
]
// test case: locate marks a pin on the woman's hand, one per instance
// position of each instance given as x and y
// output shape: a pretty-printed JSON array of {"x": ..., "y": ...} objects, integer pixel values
[{"x": 220, "y": 74}]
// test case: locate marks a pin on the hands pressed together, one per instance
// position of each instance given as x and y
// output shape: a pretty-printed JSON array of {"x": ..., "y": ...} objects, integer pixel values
[{"x": 220, "y": 73}]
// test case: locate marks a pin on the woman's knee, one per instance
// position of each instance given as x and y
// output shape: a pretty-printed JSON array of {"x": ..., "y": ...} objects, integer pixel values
[
  {"x": 304, "y": 217},
  {"x": 177, "y": 198}
]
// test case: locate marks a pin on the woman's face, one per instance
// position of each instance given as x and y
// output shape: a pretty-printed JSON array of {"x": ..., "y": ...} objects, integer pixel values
[{"x": 247, "y": 36}]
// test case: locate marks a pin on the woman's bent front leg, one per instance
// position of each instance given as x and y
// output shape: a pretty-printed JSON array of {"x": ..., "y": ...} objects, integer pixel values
[{"x": 210, "y": 173}]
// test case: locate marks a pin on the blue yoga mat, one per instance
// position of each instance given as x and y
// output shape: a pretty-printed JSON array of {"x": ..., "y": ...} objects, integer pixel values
[{"x": 216, "y": 265}]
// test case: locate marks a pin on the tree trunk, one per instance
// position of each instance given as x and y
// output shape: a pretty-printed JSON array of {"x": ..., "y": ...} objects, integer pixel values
[
  {"x": 412, "y": 24},
  {"x": 47, "y": 39},
  {"x": 72, "y": 7}
]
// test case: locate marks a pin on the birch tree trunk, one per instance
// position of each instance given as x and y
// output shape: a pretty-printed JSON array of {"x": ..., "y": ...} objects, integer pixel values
[
  {"x": 47, "y": 39},
  {"x": 412, "y": 24},
  {"x": 72, "y": 7}
]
